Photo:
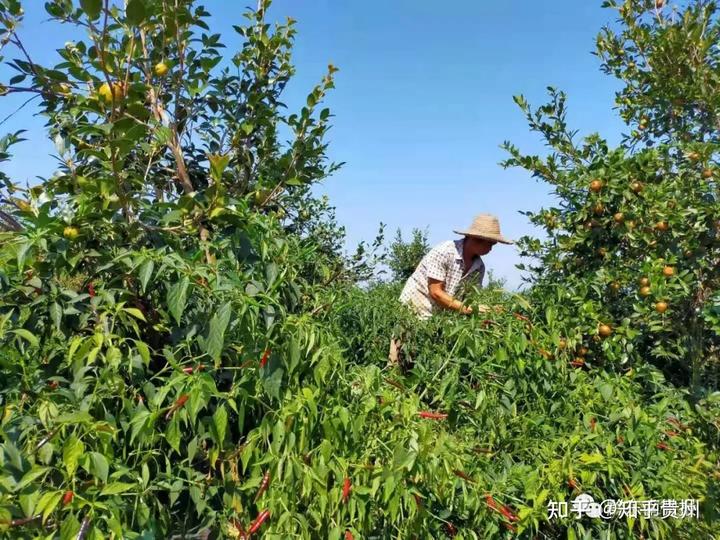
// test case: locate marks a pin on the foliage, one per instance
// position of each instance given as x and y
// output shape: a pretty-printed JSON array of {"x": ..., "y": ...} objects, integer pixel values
[
  {"x": 527, "y": 426},
  {"x": 404, "y": 257},
  {"x": 634, "y": 240},
  {"x": 185, "y": 351}
]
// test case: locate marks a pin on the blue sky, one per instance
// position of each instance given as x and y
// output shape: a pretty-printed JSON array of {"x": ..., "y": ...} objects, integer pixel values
[{"x": 423, "y": 101}]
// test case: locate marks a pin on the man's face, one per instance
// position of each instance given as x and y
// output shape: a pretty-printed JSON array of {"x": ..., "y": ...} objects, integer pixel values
[{"x": 478, "y": 246}]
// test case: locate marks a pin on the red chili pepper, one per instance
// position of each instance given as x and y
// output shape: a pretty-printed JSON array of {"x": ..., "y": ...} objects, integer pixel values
[
  {"x": 577, "y": 363},
  {"x": 509, "y": 514},
  {"x": 188, "y": 370},
  {"x": 450, "y": 529},
  {"x": 671, "y": 433},
  {"x": 491, "y": 502},
  {"x": 53, "y": 385},
  {"x": 201, "y": 367},
  {"x": 91, "y": 289},
  {"x": 662, "y": 446},
  {"x": 592, "y": 424},
  {"x": 572, "y": 483},
  {"x": 520, "y": 317},
  {"x": 347, "y": 486},
  {"x": 68, "y": 497},
  {"x": 418, "y": 500},
  {"x": 432, "y": 415},
  {"x": 349, "y": 535},
  {"x": 263, "y": 485},
  {"x": 265, "y": 357},
  {"x": 179, "y": 403},
  {"x": 255, "y": 527},
  {"x": 510, "y": 527},
  {"x": 464, "y": 476}
]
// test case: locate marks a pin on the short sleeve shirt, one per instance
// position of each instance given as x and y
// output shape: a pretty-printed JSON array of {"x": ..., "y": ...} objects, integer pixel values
[{"x": 444, "y": 263}]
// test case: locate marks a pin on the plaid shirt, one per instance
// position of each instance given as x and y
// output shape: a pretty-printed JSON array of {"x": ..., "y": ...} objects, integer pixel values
[{"x": 445, "y": 263}]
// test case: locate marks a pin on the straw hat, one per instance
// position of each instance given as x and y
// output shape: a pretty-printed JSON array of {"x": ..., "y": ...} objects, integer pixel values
[{"x": 485, "y": 226}]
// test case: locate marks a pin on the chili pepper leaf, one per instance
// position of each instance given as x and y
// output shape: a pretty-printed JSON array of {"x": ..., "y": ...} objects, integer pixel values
[
  {"x": 99, "y": 466},
  {"x": 144, "y": 351},
  {"x": 30, "y": 476},
  {"x": 220, "y": 420},
  {"x": 48, "y": 503},
  {"x": 115, "y": 488},
  {"x": 589, "y": 459},
  {"x": 172, "y": 434},
  {"x": 388, "y": 488},
  {"x": 192, "y": 449},
  {"x": 273, "y": 382},
  {"x": 138, "y": 422},
  {"x": 145, "y": 273},
  {"x": 403, "y": 458},
  {"x": 72, "y": 450},
  {"x": 216, "y": 336},
  {"x": 28, "y": 501},
  {"x": 56, "y": 315},
  {"x": 177, "y": 297},
  {"x": 69, "y": 528},
  {"x": 294, "y": 354},
  {"x": 135, "y": 312},
  {"x": 606, "y": 391},
  {"x": 27, "y": 336}
]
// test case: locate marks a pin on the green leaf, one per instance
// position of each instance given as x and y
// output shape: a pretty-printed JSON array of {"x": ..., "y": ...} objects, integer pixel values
[
  {"x": 91, "y": 8},
  {"x": 69, "y": 528},
  {"x": 216, "y": 337},
  {"x": 294, "y": 354},
  {"x": 218, "y": 164},
  {"x": 177, "y": 297},
  {"x": 144, "y": 351},
  {"x": 172, "y": 434},
  {"x": 138, "y": 422},
  {"x": 135, "y": 13},
  {"x": 135, "y": 312},
  {"x": 48, "y": 503},
  {"x": 606, "y": 391},
  {"x": 403, "y": 458},
  {"x": 27, "y": 335},
  {"x": 28, "y": 501},
  {"x": 30, "y": 476},
  {"x": 220, "y": 420},
  {"x": 115, "y": 488},
  {"x": 99, "y": 466},
  {"x": 145, "y": 273},
  {"x": 73, "y": 449},
  {"x": 163, "y": 135},
  {"x": 273, "y": 383},
  {"x": 56, "y": 314},
  {"x": 589, "y": 459}
]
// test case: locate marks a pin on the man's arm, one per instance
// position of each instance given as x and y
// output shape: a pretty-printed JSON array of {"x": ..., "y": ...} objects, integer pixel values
[{"x": 436, "y": 288}]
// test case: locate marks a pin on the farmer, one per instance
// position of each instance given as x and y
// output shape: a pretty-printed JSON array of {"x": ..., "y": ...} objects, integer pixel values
[{"x": 440, "y": 273}]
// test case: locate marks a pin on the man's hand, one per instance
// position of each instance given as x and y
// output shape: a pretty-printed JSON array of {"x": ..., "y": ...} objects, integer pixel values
[{"x": 466, "y": 310}]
